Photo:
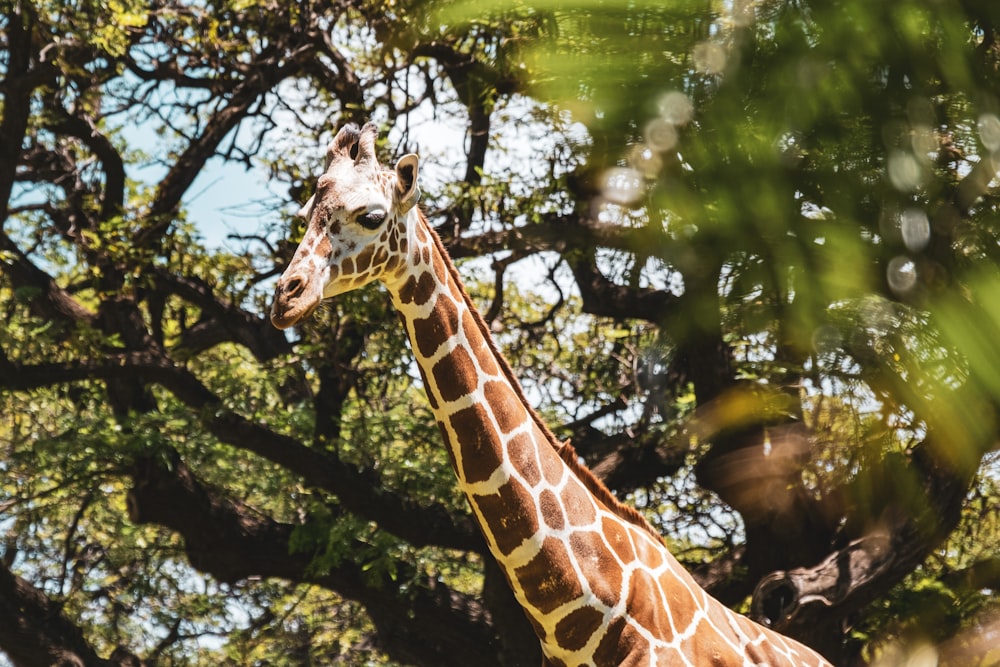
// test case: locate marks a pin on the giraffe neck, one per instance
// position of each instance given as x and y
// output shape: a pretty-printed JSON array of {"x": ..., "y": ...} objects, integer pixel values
[
  {"x": 521, "y": 491},
  {"x": 594, "y": 579}
]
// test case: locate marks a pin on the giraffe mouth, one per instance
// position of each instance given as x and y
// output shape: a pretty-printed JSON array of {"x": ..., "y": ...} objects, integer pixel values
[
  {"x": 284, "y": 315},
  {"x": 293, "y": 302}
]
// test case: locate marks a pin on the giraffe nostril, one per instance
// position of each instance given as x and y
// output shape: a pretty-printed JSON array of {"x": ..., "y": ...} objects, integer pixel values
[{"x": 294, "y": 286}]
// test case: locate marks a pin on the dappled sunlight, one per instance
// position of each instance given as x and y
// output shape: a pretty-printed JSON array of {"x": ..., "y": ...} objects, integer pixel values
[{"x": 977, "y": 645}]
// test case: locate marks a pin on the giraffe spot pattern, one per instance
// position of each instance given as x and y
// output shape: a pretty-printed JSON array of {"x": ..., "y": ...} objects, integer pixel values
[
  {"x": 417, "y": 290},
  {"x": 510, "y": 510},
  {"x": 553, "y": 469},
  {"x": 617, "y": 537},
  {"x": 505, "y": 405},
  {"x": 455, "y": 290},
  {"x": 578, "y": 502},
  {"x": 443, "y": 278},
  {"x": 551, "y": 510},
  {"x": 364, "y": 258},
  {"x": 480, "y": 449},
  {"x": 619, "y": 639},
  {"x": 648, "y": 549},
  {"x": 482, "y": 351},
  {"x": 645, "y": 601},
  {"x": 455, "y": 375},
  {"x": 323, "y": 246},
  {"x": 574, "y": 630},
  {"x": 679, "y": 600},
  {"x": 702, "y": 648},
  {"x": 521, "y": 452},
  {"x": 435, "y": 329},
  {"x": 548, "y": 579},
  {"x": 598, "y": 566},
  {"x": 431, "y": 398},
  {"x": 451, "y": 453}
]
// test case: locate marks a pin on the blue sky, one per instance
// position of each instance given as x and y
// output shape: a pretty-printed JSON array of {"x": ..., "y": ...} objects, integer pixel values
[{"x": 226, "y": 199}]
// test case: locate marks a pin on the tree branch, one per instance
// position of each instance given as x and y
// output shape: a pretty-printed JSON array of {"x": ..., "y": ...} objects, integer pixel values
[
  {"x": 228, "y": 321},
  {"x": 21, "y": 77},
  {"x": 605, "y": 298},
  {"x": 805, "y": 602},
  {"x": 34, "y": 632},
  {"x": 418, "y": 621},
  {"x": 113, "y": 197},
  {"x": 47, "y": 299},
  {"x": 359, "y": 490},
  {"x": 265, "y": 74}
]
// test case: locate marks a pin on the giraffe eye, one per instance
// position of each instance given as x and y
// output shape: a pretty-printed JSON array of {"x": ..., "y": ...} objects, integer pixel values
[{"x": 372, "y": 219}]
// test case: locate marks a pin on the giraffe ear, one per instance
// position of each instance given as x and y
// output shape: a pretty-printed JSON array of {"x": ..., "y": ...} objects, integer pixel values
[
  {"x": 306, "y": 208},
  {"x": 406, "y": 181}
]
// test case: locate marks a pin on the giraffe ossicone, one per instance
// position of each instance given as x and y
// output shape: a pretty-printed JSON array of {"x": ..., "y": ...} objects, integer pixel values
[{"x": 596, "y": 582}]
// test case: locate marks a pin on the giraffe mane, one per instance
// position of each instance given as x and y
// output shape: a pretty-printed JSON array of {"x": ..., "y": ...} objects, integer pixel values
[{"x": 565, "y": 450}]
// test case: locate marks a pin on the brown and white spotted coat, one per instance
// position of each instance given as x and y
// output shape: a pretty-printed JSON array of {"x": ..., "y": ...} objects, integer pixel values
[{"x": 596, "y": 582}]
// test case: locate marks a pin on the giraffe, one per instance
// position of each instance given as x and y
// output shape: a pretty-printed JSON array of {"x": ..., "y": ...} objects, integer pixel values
[{"x": 596, "y": 581}]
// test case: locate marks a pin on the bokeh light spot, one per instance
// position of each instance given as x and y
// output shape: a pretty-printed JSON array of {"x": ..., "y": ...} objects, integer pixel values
[
  {"x": 709, "y": 57},
  {"x": 622, "y": 185},
  {"x": 675, "y": 107},
  {"x": 901, "y": 273},
  {"x": 989, "y": 131},
  {"x": 660, "y": 134},
  {"x": 644, "y": 159},
  {"x": 924, "y": 141},
  {"x": 915, "y": 229},
  {"x": 905, "y": 173}
]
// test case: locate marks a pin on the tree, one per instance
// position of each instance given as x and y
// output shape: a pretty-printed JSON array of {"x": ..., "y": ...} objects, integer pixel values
[{"x": 762, "y": 240}]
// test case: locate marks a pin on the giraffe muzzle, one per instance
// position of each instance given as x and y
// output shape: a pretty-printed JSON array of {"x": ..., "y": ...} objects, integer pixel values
[{"x": 293, "y": 301}]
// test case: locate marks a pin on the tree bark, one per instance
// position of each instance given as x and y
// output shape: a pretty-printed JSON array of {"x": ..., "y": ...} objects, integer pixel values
[
  {"x": 34, "y": 631},
  {"x": 422, "y": 622}
]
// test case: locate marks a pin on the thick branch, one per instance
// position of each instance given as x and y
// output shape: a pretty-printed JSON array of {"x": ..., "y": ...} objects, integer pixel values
[
  {"x": 555, "y": 232},
  {"x": 360, "y": 490},
  {"x": 634, "y": 465},
  {"x": 49, "y": 301},
  {"x": 805, "y": 602},
  {"x": 605, "y": 298},
  {"x": 427, "y": 624},
  {"x": 228, "y": 321},
  {"x": 783, "y": 597},
  {"x": 35, "y": 633},
  {"x": 113, "y": 198},
  {"x": 20, "y": 80}
]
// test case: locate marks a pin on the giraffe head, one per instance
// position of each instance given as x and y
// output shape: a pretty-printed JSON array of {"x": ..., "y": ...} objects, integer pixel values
[{"x": 356, "y": 226}]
